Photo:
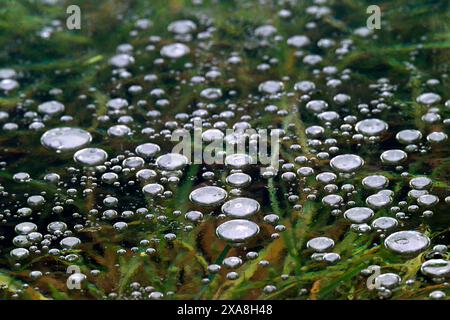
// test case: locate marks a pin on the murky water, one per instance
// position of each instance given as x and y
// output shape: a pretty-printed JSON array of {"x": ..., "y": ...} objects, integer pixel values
[{"x": 98, "y": 201}]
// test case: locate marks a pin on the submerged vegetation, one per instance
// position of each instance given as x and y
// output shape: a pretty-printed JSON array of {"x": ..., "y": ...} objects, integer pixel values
[{"x": 89, "y": 183}]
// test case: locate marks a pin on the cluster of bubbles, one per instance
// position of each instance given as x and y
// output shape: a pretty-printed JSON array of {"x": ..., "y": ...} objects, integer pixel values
[{"x": 122, "y": 171}]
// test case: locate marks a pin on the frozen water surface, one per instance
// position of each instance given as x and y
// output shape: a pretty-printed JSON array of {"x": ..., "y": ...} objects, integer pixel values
[{"x": 224, "y": 150}]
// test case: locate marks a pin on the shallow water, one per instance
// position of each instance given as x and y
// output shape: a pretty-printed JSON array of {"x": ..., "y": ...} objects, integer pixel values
[{"x": 89, "y": 180}]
